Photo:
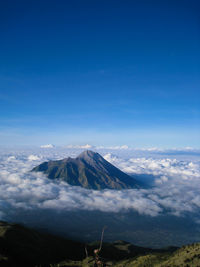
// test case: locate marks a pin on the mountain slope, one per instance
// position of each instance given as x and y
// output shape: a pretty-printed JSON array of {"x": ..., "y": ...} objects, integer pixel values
[
  {"x": 187, "y": 256},
  {"x": 89, "y": 170},
  {"x": 21, "y": 246}
]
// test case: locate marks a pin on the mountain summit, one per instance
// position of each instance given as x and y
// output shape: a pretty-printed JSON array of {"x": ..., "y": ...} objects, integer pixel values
[{"x": 89, "y": 170}]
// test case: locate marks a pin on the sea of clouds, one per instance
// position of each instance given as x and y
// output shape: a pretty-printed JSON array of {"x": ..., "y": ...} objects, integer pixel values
[{"x": 175, "y": 184}]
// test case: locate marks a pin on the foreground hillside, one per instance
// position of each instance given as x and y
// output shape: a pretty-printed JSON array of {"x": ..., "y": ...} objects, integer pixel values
[
  {"x": 20, "y": 246},
  {"x": 184, "y": 257}
]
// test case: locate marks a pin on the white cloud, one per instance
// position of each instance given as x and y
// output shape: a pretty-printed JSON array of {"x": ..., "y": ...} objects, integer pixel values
[
  {"x": 151, "y": 149},
  {"x": 47, "y": 146},
  {"x": 176, "y": 186},
  {"x": 87, "y": 146},
  {"x": 23, "y": 189},
  {"x": 123, "y": 147},
  {"x": 171, "y": 168},
  {"x": 11, "y": 158},
  {"x": 119, "y": 147},
  {"x": 33, "y": 157}
]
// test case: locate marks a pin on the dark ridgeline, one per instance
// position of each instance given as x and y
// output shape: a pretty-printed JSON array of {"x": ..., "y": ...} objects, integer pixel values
[
  {"x": 24, "y": 247},
  {"x": 89, "y": 170}
]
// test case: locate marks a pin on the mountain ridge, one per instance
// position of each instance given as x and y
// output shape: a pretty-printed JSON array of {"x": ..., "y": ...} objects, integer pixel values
[{"x": 21, "y": 247}]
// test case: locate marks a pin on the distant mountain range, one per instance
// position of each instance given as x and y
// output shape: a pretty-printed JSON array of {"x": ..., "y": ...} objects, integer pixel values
[{"x": 89, "y": 170}]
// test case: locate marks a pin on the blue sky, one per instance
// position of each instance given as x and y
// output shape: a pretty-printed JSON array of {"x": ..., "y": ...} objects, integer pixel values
[{"x": 100, "y": 72}]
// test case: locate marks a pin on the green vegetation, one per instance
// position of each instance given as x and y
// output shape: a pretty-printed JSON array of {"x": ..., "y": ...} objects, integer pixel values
[
  {"x": 23, "y": 247},
  {"x": 184, "y": 257}
]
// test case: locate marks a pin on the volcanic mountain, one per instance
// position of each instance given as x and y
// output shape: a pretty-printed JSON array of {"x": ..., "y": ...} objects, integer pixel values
[{"x": 89, "y": 170}]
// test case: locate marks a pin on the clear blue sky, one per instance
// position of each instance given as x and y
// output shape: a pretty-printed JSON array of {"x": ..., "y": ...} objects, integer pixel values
[{"x": 100, "y": 72}]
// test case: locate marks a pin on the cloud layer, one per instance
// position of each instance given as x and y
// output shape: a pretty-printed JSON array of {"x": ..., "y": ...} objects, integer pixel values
[{"x": 176, "y": 186}]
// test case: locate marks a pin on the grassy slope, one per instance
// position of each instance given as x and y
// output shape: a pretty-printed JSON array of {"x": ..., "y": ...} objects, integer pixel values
[{"x": 184, "y": 257}]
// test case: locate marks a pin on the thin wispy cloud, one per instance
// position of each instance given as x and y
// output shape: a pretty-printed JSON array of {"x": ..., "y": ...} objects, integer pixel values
[{"x": 47, "y": 146}]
